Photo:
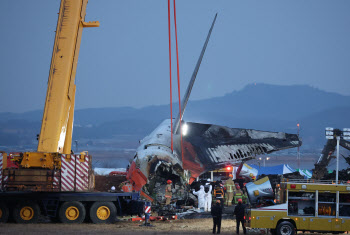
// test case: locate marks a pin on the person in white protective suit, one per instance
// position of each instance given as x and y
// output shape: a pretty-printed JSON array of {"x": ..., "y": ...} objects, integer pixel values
[
  {"x": 200, "y": 194},
  {"x": 208, "y": 199}
]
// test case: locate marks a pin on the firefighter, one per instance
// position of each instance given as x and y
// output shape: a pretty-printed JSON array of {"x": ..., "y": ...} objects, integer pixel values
[
  {"x": 238, "y": 191},
  {"x": 230, "y": 186},
  {"x": 168, "y": 192}
]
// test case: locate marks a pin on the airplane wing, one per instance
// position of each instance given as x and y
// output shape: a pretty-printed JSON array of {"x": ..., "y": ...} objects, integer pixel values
[{"x": 208, "y": 147}]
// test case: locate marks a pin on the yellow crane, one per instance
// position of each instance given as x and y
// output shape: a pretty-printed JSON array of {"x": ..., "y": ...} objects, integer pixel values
[{"x": 57, "y": 124}]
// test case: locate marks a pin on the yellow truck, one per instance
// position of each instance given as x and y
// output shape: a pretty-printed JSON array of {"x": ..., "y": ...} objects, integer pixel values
[
  {"x": 318, "y": 206},
  {"x": 53, "y": 181}
]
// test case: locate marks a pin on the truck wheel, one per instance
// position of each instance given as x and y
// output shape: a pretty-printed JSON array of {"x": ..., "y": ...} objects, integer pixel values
[
  {"x": 285, "y": 228},
  {"x": 103, "y": 212},
  {"x": 26, "y": 212},
  {"x": 4, "y": 213},
  {"x": 72, "y": 212}
]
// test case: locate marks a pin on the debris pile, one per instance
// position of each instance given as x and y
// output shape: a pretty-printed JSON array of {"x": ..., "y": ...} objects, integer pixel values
[{"x": 343, "y": 175}]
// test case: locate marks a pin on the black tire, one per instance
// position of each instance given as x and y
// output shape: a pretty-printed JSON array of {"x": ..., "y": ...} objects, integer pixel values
[
  {"x": 103, "y": 212},
  {"x": 285, "y": 228},
  {"x": 273, "y": 231},
  {"x": 26, "y": 212},
  {"x": 4, "y": 213},
  {"x": 72, "y": 212}
]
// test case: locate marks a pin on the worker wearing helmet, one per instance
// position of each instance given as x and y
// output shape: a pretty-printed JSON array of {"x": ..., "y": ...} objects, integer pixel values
[
  {"x": 168, "y": 192},
  {"x": 219, "y": 193},
  {"x": 230, "y": 188},
  {"x": 238, "y": 191}
]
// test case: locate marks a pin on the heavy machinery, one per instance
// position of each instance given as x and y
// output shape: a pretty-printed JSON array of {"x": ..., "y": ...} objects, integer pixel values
[
  {"x": 306, "y": 205},
  {"x": 53, "y": 181},
  {"x": 321, "y": 166}
]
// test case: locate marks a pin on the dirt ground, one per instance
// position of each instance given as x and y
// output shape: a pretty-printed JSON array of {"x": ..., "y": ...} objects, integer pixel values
[{"x": 181, "y": 226}]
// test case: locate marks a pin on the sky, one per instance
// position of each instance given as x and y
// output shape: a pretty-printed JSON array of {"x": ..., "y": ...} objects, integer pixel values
[{"x": 125, "y": 62}]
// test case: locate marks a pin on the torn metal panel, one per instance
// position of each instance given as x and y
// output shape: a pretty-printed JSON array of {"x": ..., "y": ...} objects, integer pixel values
[{"x": 208, "y": 147}]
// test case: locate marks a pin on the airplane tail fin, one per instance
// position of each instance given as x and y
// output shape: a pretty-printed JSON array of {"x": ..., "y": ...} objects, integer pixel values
[{"x": 193, "y": 78}]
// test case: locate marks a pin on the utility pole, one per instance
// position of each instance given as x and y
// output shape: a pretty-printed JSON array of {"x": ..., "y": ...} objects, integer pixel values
[{"x": 337, "y": 167}]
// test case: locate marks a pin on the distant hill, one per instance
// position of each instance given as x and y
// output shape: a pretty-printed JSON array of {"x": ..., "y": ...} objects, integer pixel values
[{"x": 260, "y": 106}]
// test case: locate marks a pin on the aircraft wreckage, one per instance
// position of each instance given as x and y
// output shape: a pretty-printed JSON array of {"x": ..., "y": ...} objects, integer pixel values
[{"x": 206, "y": 147}]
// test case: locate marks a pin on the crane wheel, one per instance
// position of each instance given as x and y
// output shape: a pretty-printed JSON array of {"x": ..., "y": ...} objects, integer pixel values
[
  {"x": 4, "y": 213},
  {"x": 103, "y": 212},
  {"x": 26, "y": 212},
  {"x": 72, "y": 212}
]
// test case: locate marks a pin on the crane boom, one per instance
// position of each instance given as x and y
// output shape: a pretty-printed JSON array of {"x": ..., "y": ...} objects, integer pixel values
[{"x": 57, "y": 123}]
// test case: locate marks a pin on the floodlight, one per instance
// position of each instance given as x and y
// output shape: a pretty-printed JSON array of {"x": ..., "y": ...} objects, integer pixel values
[
  {"x": 184, "y": 129},
  {"x": 330, "y": 133}
]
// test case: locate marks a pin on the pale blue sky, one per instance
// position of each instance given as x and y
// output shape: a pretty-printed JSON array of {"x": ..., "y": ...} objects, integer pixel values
[{"x": 124, "y": 62}]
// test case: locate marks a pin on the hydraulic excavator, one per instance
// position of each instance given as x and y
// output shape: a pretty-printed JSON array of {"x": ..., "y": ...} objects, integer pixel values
[{"x": 327, "y": 154}]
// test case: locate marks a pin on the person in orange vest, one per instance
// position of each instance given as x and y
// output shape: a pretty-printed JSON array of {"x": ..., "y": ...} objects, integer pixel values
[
  {"x": 219, "y": 194},
  {"x": 230, "y": 186},
  {"x": 168, "y": 192}
]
